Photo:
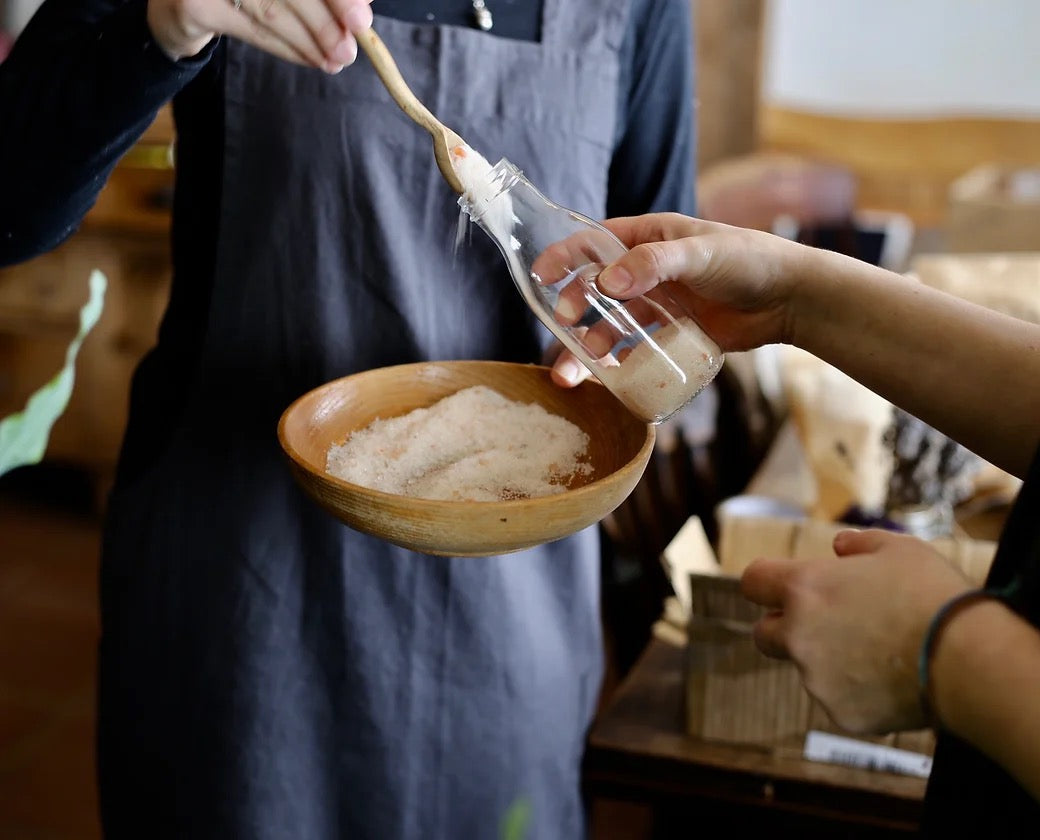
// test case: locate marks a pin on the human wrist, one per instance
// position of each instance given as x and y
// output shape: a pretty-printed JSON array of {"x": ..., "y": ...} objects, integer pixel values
[
  {"x": 954, "y": 640},
  {"x": 830, "y": 297},
  {"x": 810, "y": 305},
  {"x": 177, "y": 36}
]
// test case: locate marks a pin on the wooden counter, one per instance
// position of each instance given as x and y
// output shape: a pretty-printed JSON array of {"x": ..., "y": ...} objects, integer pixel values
[{"x": 639, "y": 754}]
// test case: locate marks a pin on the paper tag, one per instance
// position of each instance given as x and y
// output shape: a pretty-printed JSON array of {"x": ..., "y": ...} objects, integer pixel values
[
  {"x": 689, "y": 551},
  {"x": 836, "y": 749}
]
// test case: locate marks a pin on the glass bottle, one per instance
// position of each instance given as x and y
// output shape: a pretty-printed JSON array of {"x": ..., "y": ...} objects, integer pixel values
[{"x": 649, "y": 351}]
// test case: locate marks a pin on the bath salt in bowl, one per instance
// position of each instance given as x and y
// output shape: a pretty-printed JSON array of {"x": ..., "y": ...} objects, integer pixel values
[
  {"x": 472, "y": 446},
  {"x": 496, "y": 486}
]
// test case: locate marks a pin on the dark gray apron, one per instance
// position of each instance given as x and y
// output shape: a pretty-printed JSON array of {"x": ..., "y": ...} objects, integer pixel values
[{"x": 266, "y": 671}]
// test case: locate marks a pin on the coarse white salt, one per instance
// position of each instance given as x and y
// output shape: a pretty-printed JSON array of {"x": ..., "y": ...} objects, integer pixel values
[
  {"x": 482, "y": 192},
  {"x": 654, "y": 385},
  {"x": 472, "y": 169},
  {"x": 475, "y": 445}
]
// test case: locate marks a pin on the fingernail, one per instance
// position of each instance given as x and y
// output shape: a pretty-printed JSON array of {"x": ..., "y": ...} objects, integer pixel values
[
  {"x": 615, "y": 280},
  {"x": 358, "y": 18},
  {"x": 566, "y": 311},
  {"x": 569, "y": 372},
  {"x": 345, "y": 52}
]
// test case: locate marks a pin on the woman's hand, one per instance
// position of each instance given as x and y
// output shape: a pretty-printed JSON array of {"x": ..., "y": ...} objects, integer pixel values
[
  {"x": 737, "y": 283},
  {"x": 317, "y": 33},
  {"x": 854, "y": 625}
]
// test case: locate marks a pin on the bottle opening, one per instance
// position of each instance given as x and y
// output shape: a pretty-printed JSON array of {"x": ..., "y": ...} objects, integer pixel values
[{"x": 483, "y": 183}]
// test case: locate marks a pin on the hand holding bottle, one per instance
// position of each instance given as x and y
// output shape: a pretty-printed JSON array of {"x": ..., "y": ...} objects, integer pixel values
[
  {"x": 738, "y": 283},
  {"x": 594, "y": 247},
  {"x": 648, "y": 350}
]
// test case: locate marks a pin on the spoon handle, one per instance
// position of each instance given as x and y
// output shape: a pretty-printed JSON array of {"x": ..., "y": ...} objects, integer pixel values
[{"x": 386, "y": 67}]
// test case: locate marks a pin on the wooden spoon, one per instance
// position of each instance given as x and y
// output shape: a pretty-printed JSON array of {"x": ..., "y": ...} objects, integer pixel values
[{"x": 444, "y": 139}]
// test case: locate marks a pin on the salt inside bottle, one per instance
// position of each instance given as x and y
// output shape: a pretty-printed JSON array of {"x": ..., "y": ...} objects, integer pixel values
[{"x": 649, "y": 351}]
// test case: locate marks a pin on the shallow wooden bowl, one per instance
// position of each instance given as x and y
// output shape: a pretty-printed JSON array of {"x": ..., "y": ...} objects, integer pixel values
[{"x": 619, "y": 447}]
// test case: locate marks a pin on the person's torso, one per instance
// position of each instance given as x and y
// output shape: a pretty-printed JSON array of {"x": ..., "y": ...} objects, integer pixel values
[{"x": 323, "y": 677}]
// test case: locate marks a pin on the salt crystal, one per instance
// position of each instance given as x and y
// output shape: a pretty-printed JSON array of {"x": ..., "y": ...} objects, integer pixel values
[
  {"x": 484, "y": 195},
  {"x": 475, "y": 445}
]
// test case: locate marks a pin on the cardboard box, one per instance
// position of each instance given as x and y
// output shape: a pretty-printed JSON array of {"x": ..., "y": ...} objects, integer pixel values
[
  {"x": 995, "y": 208},
  {"x": 735, "y": 694}
]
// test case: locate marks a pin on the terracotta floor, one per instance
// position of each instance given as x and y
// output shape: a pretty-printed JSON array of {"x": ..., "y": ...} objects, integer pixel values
[{"x": 48, "y": 635}]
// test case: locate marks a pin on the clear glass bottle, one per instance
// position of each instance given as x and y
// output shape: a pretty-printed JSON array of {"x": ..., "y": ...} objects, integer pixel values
[{"x": 649, "y": 351}]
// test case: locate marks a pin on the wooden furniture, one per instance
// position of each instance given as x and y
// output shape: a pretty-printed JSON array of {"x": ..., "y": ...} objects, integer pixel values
[
  {"x": 903, "y": 162},
  {"x": 887, "y": 94},
  {"x": 728, "y": 36},
  {"x": 126, "y": 236},
  {"x": 643, "y": 772},
  {"x": 903, "y": 165}
]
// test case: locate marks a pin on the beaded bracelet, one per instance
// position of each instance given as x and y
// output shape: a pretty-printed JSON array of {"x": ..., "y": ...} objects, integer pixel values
[{"x": 931, "y": 639}]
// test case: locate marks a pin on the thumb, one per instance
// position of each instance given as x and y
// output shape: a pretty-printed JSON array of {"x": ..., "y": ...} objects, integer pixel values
[
  {"x": 647, "y": 265},
  {"x": 868, "y": 541}
]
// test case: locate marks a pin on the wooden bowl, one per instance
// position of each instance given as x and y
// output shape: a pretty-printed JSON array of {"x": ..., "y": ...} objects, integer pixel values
[{"x": 619, "y": 448}]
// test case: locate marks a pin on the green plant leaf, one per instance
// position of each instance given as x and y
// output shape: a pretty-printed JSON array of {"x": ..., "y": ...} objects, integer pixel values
[
  {"x": 515, "y": 821},
  {"x": 24, "y": 436}
]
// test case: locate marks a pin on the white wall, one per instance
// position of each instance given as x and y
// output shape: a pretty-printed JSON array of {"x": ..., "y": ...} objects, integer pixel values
[{"x": 904, "y": 57}]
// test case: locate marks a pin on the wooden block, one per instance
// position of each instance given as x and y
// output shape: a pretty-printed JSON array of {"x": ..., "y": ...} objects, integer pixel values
[
  {"x": 815, "y": 539},
  {"x": 743, "y": 539},
  {"x": 918, "y": 741},
  {"x": 720, "y": 599}
]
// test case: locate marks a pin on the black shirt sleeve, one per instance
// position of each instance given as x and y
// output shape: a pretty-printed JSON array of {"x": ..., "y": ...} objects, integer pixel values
[
  {"x": 654, "y": 164},
  {"x": 82, "y": 83}
]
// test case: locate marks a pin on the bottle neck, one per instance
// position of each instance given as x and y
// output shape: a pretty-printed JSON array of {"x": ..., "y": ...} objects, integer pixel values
[{"x": 479, "y": 198}]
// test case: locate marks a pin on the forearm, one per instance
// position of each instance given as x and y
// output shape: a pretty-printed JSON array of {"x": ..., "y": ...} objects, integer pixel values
[
  {"x": 83, "y": 82},
  {"x": 972, "y": 373},
  {"x": 985, "y": 680}
]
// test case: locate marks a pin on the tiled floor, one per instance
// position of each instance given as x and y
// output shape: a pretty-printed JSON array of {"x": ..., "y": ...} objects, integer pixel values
[{"x": 48, "y": 637}]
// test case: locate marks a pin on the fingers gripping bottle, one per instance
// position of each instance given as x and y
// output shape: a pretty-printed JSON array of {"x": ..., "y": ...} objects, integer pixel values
[{"x": 649, "y": 351}]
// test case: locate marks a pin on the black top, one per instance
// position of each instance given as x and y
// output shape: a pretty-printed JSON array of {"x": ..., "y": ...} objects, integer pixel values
[{"x": 968, "y": 795}]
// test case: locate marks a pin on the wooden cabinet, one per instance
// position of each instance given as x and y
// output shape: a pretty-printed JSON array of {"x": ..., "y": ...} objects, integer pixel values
[{"x": 126, "y": 235}]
